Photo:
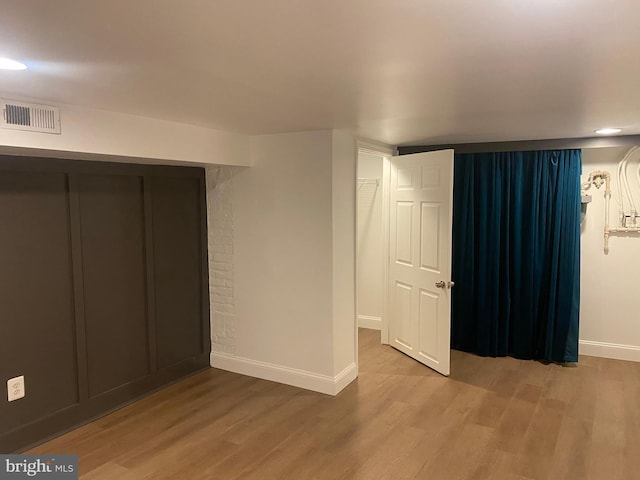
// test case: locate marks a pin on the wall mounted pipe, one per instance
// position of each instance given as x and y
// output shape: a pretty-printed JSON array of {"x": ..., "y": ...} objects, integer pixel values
[
  {"x": 599, "y": 178},
  {"x": 624, "y": 230},
  {"x": 623, "y": 183},
  {"x": 607, "y": 204},
  {"x": 638, "y": 173},
  {"x": 620, "y": 186}
]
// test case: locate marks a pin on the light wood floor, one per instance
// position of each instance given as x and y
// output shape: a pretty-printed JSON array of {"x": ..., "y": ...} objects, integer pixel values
[{"x": 492, "y": 419}]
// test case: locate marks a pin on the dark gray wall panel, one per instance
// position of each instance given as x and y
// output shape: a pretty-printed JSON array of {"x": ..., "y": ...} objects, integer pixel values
[
  {"x": 177, "y": 220},
  {"x": 36, "y": 299},
  {"x": 112, "y": 226},
  {"x": 95, "y": 310}
]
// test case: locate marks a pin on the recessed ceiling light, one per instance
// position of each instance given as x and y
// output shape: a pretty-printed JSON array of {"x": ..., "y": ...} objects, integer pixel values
[
  {"x": 8, "y": 64},
  {"x": 608, "y": 131}
]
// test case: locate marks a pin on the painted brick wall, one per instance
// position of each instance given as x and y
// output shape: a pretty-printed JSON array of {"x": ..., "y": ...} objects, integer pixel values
[{"x": 221, "y": 288}]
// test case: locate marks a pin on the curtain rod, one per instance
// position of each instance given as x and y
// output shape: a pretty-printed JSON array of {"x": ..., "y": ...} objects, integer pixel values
[{"x": 527, "y": 145}]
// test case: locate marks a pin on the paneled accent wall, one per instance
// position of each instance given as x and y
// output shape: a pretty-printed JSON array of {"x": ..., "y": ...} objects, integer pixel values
[
  {"x": 103, "y": 288},
  {"x": 113, "y": 265}
]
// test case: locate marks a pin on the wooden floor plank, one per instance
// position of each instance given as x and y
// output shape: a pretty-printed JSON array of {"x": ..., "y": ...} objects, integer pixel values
[{"x": 492, "y": 419}]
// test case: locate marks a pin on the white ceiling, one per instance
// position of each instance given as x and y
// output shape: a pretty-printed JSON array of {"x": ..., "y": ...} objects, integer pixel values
[{"x": 397, "y": 71}]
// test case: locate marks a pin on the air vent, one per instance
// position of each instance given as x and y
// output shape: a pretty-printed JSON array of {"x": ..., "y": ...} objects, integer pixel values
[{"x": 29, "y": 116}]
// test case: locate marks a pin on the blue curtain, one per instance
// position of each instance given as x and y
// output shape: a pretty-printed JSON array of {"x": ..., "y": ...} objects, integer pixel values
[{"x": 516, "y": 254}]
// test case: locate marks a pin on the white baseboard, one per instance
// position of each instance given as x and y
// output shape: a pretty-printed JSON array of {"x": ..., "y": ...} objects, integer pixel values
[
  {"x": 365, "y": 321},
  {"x": 610, "y": 350},
  {"x": 289, "y": 376},
  {"x": 345, "y": 377}
]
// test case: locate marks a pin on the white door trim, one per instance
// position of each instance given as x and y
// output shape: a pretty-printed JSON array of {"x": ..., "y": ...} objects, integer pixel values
[
  {"x": 386, "y": 205},
  {"x": 367, "y": 146}
]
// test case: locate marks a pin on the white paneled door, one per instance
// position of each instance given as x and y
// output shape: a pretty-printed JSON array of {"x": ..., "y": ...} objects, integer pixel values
[{"x": 420, "y": 219}]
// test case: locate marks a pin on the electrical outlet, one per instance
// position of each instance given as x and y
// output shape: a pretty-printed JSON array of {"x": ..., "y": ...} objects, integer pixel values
[{"x": 15, "y": 388}]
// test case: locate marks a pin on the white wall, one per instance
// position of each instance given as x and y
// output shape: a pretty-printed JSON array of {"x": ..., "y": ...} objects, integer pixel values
[
  {"x": 609, "y": 324},
  {"x": 370, "y": 247},
  {"x": 293, "y": 262},
  {"x": 89, "y": 134},
  {"x": 282, "y": 251},
  {"x": 344, "y": 161}
]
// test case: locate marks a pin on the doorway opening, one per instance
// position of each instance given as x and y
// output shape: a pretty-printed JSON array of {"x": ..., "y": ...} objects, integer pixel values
[
  {"x": 403, "y": 252},
  {"x": 370, "y": 241}
]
